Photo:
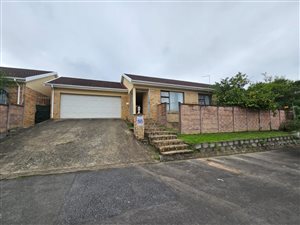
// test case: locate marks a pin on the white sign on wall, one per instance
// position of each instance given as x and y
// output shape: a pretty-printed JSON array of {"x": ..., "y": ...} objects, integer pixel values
[{"x": 140, "y": 120}]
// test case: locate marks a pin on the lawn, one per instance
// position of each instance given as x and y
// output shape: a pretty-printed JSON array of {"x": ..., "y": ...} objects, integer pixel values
[{"x": 201, "y": 138}]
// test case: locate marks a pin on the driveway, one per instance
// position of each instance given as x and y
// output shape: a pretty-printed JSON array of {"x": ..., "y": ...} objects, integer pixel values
[
  {"x": 256, "y": 188},
  {"x": 71, "y": 145}
]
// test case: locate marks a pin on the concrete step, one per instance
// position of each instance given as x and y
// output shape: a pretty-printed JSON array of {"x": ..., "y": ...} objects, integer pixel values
[
  {"x": 150, "y": 123},
  {"x": 159, "y": 143},
  {"x": 162, "y": 137},
  {"x": 177, "y": 152},
  {"x": 175, "y": 147},
  {"x": 153, "y": 129},
  {"x": 158, "y": 132}
]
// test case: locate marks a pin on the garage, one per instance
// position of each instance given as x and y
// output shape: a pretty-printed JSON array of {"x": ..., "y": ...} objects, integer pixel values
[{"x": 89, "y": 106}]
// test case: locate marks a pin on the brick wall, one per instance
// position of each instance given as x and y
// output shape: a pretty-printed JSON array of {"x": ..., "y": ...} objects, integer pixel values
[
  {"x": 239, "y": 119},
  {"x": 162, "y": 114},
  {"x": 190, "y": 119},
  {"x": 11, "y": 116},
  {"x": 209, "y": 121},
  {"x": 253, "y": 120},
  {"x": 13, "y": 94},
  {"x": 194, "y": 118},
  {"x": 15, "y": 116},
  {"x": 3, "y": 118},
  {"x": 225, "y": 119},
  {"x": 32, "y": 98}
]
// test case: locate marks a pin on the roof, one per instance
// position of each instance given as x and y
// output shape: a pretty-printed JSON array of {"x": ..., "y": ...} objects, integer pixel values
[
  {"x": 22, "y": 73},
  {"x": 70, "y": 81},
  {"x": 140, "y": 78}
]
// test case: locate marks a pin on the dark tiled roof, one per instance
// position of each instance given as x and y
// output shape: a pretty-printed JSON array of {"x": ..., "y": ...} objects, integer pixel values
[
  {"x": 21, "y": 73},
  {"x": 166, "y": 81},
  {"x": 87, "y": 83}
]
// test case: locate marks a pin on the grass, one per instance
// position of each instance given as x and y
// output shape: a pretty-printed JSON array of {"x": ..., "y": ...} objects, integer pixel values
[
  {"x": 130, "y": 125},
  {"x": 201, "y": 138}
]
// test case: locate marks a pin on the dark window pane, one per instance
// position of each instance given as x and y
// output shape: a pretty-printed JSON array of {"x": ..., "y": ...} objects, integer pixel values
[
  {"x": 164, "y": 94},
  {"x": 204, "y": 99}
]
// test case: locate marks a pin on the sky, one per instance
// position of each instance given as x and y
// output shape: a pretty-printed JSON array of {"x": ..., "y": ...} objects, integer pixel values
[{"x": 195, "y": 41}]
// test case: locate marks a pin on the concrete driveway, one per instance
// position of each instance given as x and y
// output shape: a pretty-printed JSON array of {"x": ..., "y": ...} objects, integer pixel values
[
  {"x": 71, "y": 145},
  {"x": 255, "y": 188}
]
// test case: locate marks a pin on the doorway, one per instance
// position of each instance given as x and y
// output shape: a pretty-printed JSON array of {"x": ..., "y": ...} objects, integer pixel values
[{"x": 139, "y": 101}]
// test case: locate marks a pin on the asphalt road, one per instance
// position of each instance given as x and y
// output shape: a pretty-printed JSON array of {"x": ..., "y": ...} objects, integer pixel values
[{"x": 256, "y": 188}]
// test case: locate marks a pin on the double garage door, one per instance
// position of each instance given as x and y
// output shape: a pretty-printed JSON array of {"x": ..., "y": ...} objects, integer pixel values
[{"x": 89, "y": 106}]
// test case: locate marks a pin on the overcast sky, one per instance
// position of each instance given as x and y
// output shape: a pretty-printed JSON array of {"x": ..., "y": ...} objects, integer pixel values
[{"x": 187, "y": 41}]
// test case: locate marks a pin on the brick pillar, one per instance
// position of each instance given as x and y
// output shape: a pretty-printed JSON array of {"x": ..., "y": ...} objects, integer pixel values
[{"x": 139, "y": 126}]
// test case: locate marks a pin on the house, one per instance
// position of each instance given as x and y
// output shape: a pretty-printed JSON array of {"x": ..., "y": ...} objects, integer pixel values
[
  {"x": 27, "y": 90},
  {"x": 83, "y": 98}
]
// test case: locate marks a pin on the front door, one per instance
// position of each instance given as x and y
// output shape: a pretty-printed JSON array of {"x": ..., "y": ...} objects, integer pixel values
[{"x": 139, "y": 101}]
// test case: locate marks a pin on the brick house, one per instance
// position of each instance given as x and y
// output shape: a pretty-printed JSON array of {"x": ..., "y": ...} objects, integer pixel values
[
  {"x": 27, "y": 91},
  {"x": 82, "y": 98}
]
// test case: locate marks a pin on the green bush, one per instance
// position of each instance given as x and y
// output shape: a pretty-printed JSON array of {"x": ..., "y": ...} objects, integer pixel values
[{"x": 291, "y": 125}]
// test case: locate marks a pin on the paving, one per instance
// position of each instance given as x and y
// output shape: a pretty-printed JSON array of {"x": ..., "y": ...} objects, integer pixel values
[
  {"x": 71, "y": 145},
  {"x": 254, "y": 188}
]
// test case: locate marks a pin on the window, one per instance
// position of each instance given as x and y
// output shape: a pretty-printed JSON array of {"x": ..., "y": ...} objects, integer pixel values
[
  {"x": 172, "y": 99},
  {"x": 3, "y": 97},
  {"x": 204, "y": 99}
]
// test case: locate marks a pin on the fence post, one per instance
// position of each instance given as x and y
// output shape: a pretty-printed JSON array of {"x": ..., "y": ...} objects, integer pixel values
[
  {"x": 279, "y": 116},
  {"x": 218, "y": 119},
  {"x": 180, "y": 117},
  {"x": 247, "y": 119},
  {"x": 8, "y": 118},
  {"x": 259, "y": 127},
  {"x": 7, "y": 115},
  {"x": 200, "y": 114},
  {"x": 270, "y": 124},
  {"x": 233, "y": 119}
]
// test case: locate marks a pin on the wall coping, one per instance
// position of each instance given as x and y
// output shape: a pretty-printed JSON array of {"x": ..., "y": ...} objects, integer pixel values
[{"x": 11, "y": 105}]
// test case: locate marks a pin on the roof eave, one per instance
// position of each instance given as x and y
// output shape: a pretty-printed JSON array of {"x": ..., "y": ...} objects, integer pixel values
[
  {"x": 126, "y": 77},
  {"x": 69, "y": 86},
  {"x": 177, "y": 86},
  {"x": 35, "y": 77}
]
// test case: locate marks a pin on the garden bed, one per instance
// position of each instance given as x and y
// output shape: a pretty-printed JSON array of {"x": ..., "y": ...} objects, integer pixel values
[{"x": 218, "y": 137}]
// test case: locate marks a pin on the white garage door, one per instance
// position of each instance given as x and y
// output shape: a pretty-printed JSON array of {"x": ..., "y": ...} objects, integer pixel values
[{"x": 84, "y": 106}]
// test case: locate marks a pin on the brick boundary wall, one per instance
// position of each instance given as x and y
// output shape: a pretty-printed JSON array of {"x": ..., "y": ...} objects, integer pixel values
[
  {"x": 162, "y": 114},
  {"x": 195, "y": 119},
  {"x": 11, "y": 116}
]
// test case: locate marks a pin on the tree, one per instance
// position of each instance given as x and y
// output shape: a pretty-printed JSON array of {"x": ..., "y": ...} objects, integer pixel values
[
  {"x": 260, "y": 96},
  {"x": 231, "y": 91},
  {"x": 4, "y": 81},
  {"x": 271, "y": 94}
]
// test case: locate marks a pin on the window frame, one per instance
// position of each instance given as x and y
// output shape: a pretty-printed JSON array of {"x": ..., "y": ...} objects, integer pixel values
[
  {"x": 3, "y": 97},
  {"x": 203, "y": 100},
  {"x": 169, "y": 99}
]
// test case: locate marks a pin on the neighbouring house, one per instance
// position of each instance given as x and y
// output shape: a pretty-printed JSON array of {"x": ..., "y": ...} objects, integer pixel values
[
  {"x": 83, "y": 98},
  {"x": 20, "y": 100}
]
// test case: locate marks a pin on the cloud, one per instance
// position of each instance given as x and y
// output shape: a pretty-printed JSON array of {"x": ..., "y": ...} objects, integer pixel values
[{"x": 173, "y": 40}]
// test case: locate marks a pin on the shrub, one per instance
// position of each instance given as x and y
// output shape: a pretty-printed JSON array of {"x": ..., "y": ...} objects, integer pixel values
[{"x": 290, "y": 125}]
